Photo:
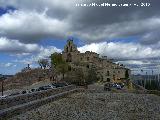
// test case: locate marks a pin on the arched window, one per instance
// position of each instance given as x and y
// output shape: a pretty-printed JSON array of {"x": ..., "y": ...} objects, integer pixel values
[
  {"x": 87, "y": 66},
  {"x": 108, "y": 79},
  {"x": 69, "y": 68},
  {"x": 107, "y": 73},
  {"x": 66, "y": 49}
]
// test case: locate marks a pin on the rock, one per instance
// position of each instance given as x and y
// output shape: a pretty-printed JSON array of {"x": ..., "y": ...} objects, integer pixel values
[{"x": 98, "y": 106}]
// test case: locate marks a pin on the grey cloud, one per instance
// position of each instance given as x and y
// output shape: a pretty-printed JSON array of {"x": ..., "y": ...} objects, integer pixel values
[
  {"x": 150, "y": 38},
  {"x": 97, "y": 16},
  {"x": 88, "y": 23}
]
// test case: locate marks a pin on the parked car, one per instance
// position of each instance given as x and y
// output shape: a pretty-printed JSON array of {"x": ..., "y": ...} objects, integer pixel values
[
  {"x": 34, "y": 89},
  {"x": 16, "y": 93},
  {"x": 118, "y": 87},
  {"x": 121, "y": 84},
  {"x": 38, "y": 89},
  {"x": 59, "y": 84},
  {"x": 24, "y": 92},
  {"x": 4, "y": 96},
  {"x": 52, "y": 86},
  {"x": 45, "y": 87},
  {"x": 114, "y": 85}
]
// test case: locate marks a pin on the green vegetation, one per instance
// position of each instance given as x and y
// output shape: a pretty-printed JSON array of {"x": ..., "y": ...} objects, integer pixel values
[
  {"x": 150, "y": 84},
  {"x": 56, "y": 59},
  {"x": 74, "y": 76},
  {"x": 91, "y": 76},
  {"x": 79, "y": 77},
  {"x": 59, "y": 64},
  {"x": 127, "y": 78}
]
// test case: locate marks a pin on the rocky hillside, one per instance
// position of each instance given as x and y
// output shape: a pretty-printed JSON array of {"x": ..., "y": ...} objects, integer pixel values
[{"x": 27, "y": 78}]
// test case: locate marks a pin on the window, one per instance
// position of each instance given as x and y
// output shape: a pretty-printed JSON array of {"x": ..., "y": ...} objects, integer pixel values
[
  {"x": 108, "y": 79},
  {"x": 69, "y": 68},
  {"x": 87, "y": 66},
  {"x": 107, "y": 73},
  {"x": 67, "y": 49},
  {"x": 113, "y": 77}
]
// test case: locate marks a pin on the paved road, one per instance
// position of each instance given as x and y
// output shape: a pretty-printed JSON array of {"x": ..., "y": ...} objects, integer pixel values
[{"x": 96, "y": 86}]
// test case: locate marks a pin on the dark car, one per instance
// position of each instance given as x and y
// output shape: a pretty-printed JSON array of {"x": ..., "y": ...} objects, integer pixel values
[
  {"x": 59, "y": 84},
  {"x": 108, "y": 86},
  {"x": 114, "y": 85},
  {"x": 45, "y": 87},
  {"x": 33, "y": 90},
  {"x": 24, "y": 92}
]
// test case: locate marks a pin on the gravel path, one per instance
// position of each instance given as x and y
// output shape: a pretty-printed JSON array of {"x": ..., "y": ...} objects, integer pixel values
[{"x": 98, "y": 106}]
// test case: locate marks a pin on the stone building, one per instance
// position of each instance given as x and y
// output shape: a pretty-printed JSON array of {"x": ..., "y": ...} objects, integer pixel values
[{"x": 106, "y": 70}]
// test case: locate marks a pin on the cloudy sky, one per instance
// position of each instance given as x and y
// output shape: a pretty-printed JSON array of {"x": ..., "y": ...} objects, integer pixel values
[{"x": 33, "y": 29}]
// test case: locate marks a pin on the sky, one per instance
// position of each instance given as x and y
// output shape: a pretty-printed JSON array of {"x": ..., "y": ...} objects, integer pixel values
[{"x": 34, "y": 29}]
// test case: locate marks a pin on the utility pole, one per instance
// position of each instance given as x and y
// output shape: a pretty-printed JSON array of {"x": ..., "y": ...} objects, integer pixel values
[
  {"x": 2, "y": 86},
  {"x": 142, "y": 77},
  {"x": 2, "y": 83},
  {"x": 145, "y": 80}
]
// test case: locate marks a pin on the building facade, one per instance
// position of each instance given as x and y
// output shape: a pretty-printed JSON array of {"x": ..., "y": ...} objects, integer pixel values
[{"x": 106, "y": 70}]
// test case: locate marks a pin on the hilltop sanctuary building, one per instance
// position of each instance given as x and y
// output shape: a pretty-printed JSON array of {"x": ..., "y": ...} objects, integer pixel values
[{"x": 106, "y": 70}]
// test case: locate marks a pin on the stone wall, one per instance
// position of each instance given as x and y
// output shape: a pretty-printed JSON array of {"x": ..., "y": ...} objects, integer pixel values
[
  {"x": 88, "y": 59},
  {"x": 14, "y": 110},
  {"x": 24, "y": 98}
]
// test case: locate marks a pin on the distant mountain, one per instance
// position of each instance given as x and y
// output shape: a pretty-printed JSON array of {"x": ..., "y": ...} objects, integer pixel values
[{"x": 6, "y": 76}]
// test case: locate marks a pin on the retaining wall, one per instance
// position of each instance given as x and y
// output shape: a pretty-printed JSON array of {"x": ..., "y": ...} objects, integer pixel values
[
  {"x": 15, "y": 110},
  {"x": 24, "y": 98}
]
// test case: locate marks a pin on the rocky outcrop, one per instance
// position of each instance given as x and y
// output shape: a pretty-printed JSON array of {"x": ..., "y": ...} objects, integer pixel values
[{"x": 27, "y": 78}]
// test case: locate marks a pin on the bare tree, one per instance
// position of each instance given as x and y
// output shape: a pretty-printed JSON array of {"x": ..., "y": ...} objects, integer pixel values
[{"x": 43, "y": 63}]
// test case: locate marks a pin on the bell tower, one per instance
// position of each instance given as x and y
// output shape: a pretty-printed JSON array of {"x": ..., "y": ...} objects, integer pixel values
[
  {"x": 70, "y": 47},
  {"x": 70, "y": 51}
]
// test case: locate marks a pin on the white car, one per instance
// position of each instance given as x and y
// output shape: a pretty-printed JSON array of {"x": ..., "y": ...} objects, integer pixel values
[
  {"x": 118, "y": 87},
  {"x": 51, "y": 86},
  {"x": 4, "y": 96}
]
